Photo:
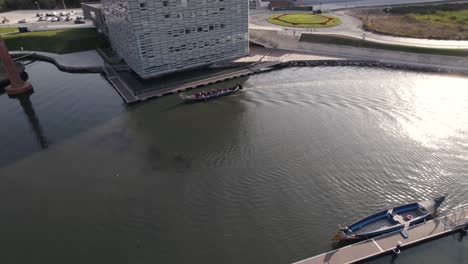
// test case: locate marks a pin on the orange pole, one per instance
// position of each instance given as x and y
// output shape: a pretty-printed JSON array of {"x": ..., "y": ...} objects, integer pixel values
[{"x": 17, "y": 85}]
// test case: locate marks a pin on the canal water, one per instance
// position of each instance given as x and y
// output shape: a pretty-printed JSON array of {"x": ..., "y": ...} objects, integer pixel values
[{"x": 262, "y": 176}]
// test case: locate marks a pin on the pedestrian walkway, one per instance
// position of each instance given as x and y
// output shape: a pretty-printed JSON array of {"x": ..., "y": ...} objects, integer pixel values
[
  {"x": 123, "y": 90},
  {"x": 455, "y": 221},
  {"x": 271, "y": 39},
  {"x": 88, "y": 61},
  {"x": 120, "y": 86}
]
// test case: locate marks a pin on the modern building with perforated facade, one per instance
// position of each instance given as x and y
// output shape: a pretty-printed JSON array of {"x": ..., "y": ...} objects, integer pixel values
[{"x": 157, "y": 37}]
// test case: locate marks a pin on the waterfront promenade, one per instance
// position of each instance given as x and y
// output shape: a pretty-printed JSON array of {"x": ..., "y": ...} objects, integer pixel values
[
  {"x": 85, "y": 61},
  {"x": 278, "y": 40},
  {"x": 261, "y": 59}
]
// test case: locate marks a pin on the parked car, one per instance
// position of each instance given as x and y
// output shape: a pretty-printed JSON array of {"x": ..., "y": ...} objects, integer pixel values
[
  {"x": 68, "y": 18},
  {"x": 79, "y": 21},
  {"x": 79, "y": 18},
  {"x": 54, "y": 19},
  {"x": 63, "y": 14},
  {"x": 39, "y": 15},
  {"x": 23, "y": 29},
  {"x": 22, "y": 21}
]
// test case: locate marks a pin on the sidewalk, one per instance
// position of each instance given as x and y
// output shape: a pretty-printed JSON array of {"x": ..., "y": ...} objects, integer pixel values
[
  {"x": 87, "y": 61},
  {"x": 271, "y": 39}
]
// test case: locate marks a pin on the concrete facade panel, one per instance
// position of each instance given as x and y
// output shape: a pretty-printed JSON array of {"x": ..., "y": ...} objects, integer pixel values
[{"x": 157, "y": 37}]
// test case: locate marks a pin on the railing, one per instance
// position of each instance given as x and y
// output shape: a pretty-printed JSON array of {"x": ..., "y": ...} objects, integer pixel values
[
  {"x": 456, "y": 218},
  {"x": 110, "y": 72}
]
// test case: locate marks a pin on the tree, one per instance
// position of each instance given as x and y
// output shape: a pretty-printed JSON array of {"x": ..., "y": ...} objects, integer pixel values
[
  {"x": 3, "y": 5},
  {"x": 46, "y": 4}
]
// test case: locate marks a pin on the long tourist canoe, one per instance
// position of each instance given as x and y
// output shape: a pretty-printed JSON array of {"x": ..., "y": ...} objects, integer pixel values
[{"x": 204, "y": 96}]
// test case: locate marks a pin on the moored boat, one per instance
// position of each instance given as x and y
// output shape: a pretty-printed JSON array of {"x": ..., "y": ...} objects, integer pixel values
[
  {"x": 390, "y": 220},
  {"x": 207, "y": 95}
]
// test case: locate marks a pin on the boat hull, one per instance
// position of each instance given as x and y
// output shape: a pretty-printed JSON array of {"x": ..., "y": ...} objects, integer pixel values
[
  {"x": 195, "y": 99},
  {"x": 391, "y": 220}
]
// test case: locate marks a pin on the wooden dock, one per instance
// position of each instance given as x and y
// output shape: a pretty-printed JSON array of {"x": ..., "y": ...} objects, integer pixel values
[
  {"x": 457, "y": 220},
  {"x": 195, "y": 84},
  {"x": 130, "y": 96}
]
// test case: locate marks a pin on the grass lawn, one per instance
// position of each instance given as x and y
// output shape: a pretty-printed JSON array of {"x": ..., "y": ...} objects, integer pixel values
[
  {"x": 445, "y": 18},
  {"x": 345, "y": 41},
  {"x": 56, "y": 41},
  {"x": 448, "y": 21},
  {"x": 304, "y": 20},
  {"x": 4, "y": 30}
]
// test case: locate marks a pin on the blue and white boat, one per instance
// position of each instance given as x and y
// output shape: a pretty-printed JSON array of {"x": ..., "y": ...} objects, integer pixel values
[{"x": 393, "y": 219}]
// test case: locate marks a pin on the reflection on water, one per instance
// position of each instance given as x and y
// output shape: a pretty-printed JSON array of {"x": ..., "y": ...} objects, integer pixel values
[
  {"x": 28, "y": 109},
  {"x": 262, "y": 176},
  {"x": 62, "y": 105}
]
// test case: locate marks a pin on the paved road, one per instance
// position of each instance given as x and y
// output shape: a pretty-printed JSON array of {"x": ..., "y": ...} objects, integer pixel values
[
  {"x": 352, "y": 27},
  {"x": 274, "y": 40},
  {"x": 344, "y": 4}
]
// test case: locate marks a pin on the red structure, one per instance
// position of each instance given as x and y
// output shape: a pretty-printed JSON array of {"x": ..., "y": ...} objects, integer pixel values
[{"x": 17, "y": 85}]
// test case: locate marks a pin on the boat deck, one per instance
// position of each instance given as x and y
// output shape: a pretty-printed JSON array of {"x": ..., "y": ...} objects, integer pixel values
[
  {"x": 386, "y": 243},
  {"x": 383, "y": 223}
]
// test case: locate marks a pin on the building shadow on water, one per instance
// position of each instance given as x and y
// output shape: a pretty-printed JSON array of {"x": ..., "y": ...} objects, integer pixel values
[{"x": 173, "y": 134}]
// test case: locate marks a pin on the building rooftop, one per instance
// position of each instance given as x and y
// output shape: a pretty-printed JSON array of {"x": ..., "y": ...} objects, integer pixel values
[{"x": 95, "y": 5}]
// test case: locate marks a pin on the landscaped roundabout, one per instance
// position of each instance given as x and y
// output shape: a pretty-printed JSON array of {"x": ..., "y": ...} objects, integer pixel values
[{"x": 304, "y": 20}]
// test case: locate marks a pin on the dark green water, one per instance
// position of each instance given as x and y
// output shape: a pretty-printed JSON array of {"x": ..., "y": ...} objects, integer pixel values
[{"x": 263, "y": 176}]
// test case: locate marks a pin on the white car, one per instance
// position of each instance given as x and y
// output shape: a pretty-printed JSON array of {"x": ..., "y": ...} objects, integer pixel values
[
  {"x": 54, "y": 19},
  {"x": 22, "y": 21}
]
